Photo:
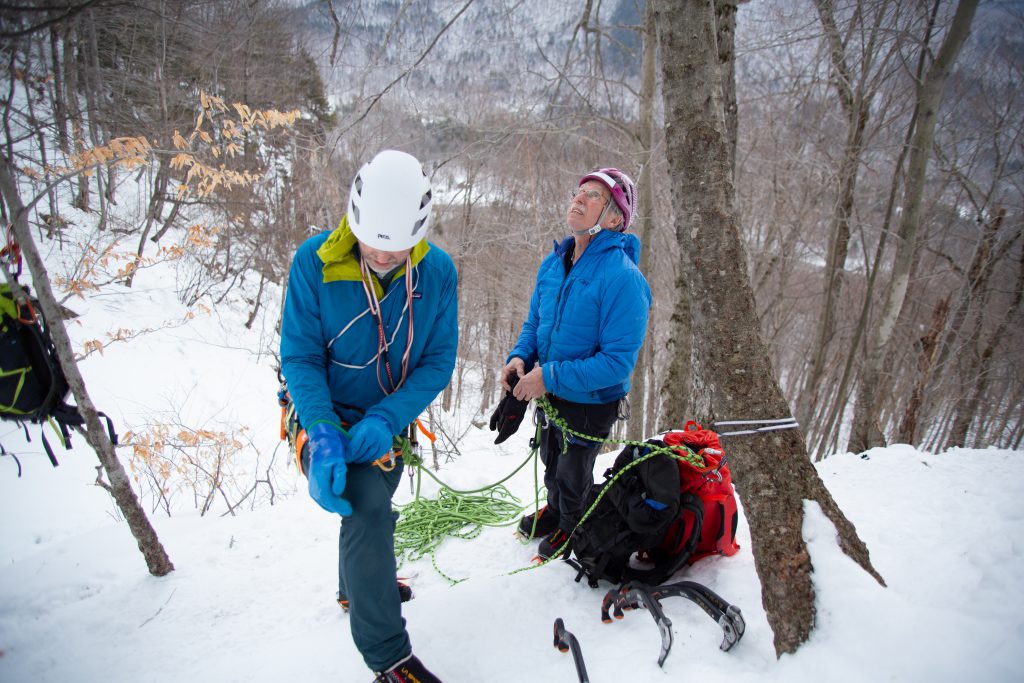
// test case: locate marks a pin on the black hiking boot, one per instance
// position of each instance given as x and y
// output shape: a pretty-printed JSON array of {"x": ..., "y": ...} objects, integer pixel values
[
  {"x": 408, "y": 670},
  {"x": 547, "y": 521},
  {"x": 404, "y": 593},
  {"x": 552, "y": 545}
]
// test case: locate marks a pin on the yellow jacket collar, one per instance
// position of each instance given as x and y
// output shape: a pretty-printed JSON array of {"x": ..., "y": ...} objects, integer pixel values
[{"x": 340, "y": 262}]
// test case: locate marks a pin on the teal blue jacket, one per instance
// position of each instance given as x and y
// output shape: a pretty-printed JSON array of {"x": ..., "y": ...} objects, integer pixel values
[
  {"x": 329, "y": 337},
  {"x": 586, "y": 328}
]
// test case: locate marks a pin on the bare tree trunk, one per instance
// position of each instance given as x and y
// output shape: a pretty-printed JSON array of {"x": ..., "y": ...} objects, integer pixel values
[
  {"x": 929, "y": 345},
  {"x": 1016, "y": 417},
  {"x": 866, "y": 431},
  {"x": 71, "y": 74},
  {"x": 967, "y": 403},
  {"x": 973, "y": 292},
  {"x": 490, "y": 381},
  {"x": 59, "y": 109},
  {"x": 828, "y": 433},
  {"x": 677, "y": 393},
  {"x": 12, "y": 67},
  {"x": 93, "y": 88},
  {"x": 168, "y": 222},
  {"x": 639, "y": 420},
  {"x": 41, "y": 139},
  {"x": 119, "y": 485},
  {"x": 156, "y": 208},
  {"x": 257, "y": 303},
  {"x": 828, "y": 436},
  {"x": 337, "y": 30},
  {"x": 1006, "y": 421},
  {"x": 725, "y": 23},
  {"x": 855, "y": 107},
  {"x": 773, "y": 474}
]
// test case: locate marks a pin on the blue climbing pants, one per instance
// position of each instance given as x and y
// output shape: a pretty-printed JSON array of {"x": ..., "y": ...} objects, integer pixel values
[{"x": 367, "y": 568}]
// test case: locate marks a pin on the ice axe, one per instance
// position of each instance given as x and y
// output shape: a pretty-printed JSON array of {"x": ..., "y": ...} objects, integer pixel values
[{"x": 565, "y": 641}]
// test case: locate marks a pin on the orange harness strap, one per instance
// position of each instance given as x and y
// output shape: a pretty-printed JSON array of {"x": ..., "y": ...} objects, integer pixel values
[{"x": 388, "y": 461}]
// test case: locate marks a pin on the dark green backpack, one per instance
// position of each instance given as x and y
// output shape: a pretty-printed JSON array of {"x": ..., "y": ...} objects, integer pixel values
[
  {"x": 31, "y": 380},
  {"x": 32, "y": 385}
]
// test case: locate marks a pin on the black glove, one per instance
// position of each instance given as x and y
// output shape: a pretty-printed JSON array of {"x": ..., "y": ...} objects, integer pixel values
[{"x": 509, "y": 414}]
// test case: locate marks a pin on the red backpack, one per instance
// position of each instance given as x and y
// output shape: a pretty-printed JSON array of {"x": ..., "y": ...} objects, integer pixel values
[
  {"x": 708, "y": 496},
  {"x": 669, "y": 511}
]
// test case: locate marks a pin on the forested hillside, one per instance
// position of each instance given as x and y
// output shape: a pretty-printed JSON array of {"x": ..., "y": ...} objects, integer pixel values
[
  {"x": 830, "y": 207},
  {"x": 507, "y": 102}
]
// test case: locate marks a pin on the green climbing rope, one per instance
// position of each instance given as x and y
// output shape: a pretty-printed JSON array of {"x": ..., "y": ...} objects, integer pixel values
[
  {"x": 425, "y": 523},
  {"x": 652, "y": 450},
  {"x": 552, "y": 415}
]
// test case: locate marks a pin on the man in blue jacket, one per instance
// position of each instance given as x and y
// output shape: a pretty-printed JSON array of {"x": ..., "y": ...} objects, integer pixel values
[
  {"x": 368, "y": 340},
  {"x": 579, "y": 343}
]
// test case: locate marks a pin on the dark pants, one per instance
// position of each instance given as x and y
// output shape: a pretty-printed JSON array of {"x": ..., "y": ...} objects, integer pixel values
[
  {"x": 367, "y": 571},
  {"x": 569, "y": 476}
]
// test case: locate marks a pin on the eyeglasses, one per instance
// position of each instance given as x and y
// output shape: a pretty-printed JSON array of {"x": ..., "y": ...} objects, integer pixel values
[{"x": 592, "y": 195}]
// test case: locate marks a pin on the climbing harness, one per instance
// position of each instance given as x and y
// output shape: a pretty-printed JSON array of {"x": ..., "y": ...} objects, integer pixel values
[{"x": 425, "y": 523}]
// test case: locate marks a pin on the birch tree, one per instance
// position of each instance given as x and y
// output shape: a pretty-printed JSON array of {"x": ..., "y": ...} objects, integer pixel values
[
  {"x": 855, "y": 81},
  {"x": 866, "y": 430}
]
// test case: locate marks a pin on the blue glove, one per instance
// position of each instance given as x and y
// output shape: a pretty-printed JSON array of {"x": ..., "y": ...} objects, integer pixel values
[
  {"x": 371, "y": 438},
  {"x": 327, "y": 468}
]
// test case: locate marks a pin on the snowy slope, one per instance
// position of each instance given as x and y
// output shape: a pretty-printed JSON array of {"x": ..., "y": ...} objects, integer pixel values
[{"x": 252, "y": 595}]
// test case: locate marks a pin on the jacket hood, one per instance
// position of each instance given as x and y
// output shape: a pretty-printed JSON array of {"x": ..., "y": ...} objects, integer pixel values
[
  {"x": 340, "y": 262},
  {"x": 606, "y": 240}
]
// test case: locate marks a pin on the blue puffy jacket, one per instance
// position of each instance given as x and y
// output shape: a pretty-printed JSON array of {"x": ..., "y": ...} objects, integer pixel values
[
  {"x": 586, "y": 328},
  {"x": 329, "y": 337}
]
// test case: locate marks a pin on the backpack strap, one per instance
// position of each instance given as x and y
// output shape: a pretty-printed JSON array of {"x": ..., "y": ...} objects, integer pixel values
[
  {"x": 62, "y": 418},
  {"x": 48, "y": 449},
  {"x": 595, "y": 565},
  {"x": 666, "y": 568}
]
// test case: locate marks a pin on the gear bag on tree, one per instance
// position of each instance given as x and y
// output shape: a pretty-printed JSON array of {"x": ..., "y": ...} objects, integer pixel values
[
  {"x": 670, "y": 502},
  {"x": 32, "y": 385}
]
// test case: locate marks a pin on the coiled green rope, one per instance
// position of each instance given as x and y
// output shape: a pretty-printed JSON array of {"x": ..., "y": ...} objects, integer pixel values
[{"x": 425, "y": 523}]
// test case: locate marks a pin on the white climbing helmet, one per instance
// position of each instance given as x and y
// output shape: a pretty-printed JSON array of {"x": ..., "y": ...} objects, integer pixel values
[{"x": 390, "y": 201}]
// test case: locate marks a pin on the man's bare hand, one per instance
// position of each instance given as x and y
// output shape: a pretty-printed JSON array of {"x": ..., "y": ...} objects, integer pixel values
[
  {"x": 515, "y": 366},
  {"x": 531, "y": 385}
]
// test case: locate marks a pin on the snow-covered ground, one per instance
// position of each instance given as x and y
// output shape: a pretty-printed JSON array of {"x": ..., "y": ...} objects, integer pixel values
[{"x": 252, "y": 596}]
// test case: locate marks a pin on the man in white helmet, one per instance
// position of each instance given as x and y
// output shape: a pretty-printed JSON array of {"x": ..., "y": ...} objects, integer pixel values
[
  {"x": 368, "y": 340},
  {"x": 578, "y": 345}
]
